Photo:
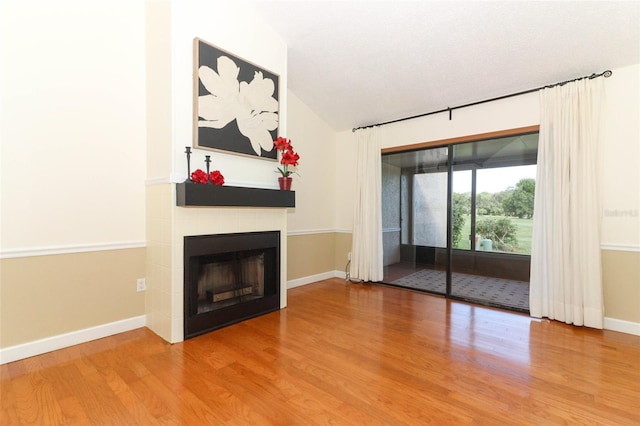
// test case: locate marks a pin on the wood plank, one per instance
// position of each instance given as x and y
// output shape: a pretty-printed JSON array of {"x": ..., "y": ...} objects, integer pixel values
[{"x": 340, "y": 354}]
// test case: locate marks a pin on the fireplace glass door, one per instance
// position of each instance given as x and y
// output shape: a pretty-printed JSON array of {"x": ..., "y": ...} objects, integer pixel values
[{"x": 230, "y": 278}]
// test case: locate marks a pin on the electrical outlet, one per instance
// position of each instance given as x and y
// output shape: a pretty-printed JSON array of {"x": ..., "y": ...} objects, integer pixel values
[{"x": 141, "y": 284}]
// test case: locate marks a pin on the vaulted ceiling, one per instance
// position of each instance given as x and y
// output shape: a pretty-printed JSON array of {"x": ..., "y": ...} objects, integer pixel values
[{"x": 364, "y": 62}]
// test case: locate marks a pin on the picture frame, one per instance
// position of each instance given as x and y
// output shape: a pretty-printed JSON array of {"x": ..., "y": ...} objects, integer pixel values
[{"x": 236, "y": 106}]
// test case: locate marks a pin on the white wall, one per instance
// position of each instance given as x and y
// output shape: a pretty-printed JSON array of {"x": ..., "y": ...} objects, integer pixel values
[
  {"x": 232, "y": 26},
  {"x": 621, "y": 159},
  {"x": 621, "y": 138},
  {"x": 314, "y": 184},
  {"x": 72, "y": 123}
]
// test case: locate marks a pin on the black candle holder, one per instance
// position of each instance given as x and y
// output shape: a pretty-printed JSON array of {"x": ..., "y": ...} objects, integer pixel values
[
  {"x": 207, "y": 160},
  {"x": 188, "y": 152}
]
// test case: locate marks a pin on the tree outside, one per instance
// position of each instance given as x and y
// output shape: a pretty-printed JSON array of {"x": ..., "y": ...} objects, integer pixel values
[
  {"x": 519, "y": 203},
  {"x": 504, "y": 217},
  {"x": 459, "y": 219}
]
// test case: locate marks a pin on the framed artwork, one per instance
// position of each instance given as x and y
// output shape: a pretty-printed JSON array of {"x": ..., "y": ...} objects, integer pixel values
[{"x": 236, "y": 106}]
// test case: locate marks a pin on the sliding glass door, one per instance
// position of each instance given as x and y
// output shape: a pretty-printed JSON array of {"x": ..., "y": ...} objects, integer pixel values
[
  {"x": 457, "y": 219},
  {"x": 415, "y": 223},
  {"x": 492, "y": 192}
]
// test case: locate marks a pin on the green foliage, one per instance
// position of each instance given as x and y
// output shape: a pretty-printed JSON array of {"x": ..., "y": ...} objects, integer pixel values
[
  {"x": 527, "y": 185},
  {"x": 523, "y": 234},
  {"x": 488, "y": 203},
  {"x": 458, "y": 219},
  {"x": 462, "y": 202},
  {"x": 492, "y": 224},
  {"x": 499, "y": 197},
  {"x": 520, "y": 202},
  {"x": 502, "y": 231}
]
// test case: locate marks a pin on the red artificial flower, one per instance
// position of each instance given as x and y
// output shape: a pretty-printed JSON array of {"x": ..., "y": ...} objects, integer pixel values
[
  {"x": 282, "y": 144},
  {"x": 216, "y": 177},
  {"x": 199, "y": 176},
  {"x": 290, "y": 158}
]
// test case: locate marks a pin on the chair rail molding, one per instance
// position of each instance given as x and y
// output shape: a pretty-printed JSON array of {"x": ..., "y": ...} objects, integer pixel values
[{"x": 69, "y": 249}]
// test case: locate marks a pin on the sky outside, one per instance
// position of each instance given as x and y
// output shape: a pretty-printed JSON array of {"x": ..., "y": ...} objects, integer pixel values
[{"x": 492, "y": 180}]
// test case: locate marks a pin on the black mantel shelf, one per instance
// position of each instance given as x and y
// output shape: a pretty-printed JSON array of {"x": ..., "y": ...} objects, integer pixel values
[{"x": 189, "y": 194}]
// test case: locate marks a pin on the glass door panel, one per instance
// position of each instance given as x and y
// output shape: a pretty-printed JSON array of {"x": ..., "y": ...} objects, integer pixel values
[
  {"x": 461, "y": 210},
  {"x": 493, "y": 184},
  {"x": 414, "y": 216}
]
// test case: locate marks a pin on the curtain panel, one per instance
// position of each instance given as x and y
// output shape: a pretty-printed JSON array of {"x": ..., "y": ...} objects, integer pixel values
[
  {"x": 366, "y": 251},
  {"x": 566, "y": 275}
]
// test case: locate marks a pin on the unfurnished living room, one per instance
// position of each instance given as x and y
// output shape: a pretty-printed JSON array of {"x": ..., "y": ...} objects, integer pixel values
[{"x": 319, "y": 212}]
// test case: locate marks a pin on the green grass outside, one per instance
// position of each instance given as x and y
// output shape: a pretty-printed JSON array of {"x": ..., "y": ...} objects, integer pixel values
[{"x": 523, "y": 233}]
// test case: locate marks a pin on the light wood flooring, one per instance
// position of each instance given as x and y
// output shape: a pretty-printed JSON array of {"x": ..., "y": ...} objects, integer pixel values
[{"x": 342, "y": 354}]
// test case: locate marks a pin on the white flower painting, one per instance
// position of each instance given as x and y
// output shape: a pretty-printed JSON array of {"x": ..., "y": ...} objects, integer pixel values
[{"x": 237, "y": 105}]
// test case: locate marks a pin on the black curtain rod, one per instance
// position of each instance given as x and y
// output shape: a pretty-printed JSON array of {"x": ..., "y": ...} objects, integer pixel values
[{"x": 605, "y": 74}]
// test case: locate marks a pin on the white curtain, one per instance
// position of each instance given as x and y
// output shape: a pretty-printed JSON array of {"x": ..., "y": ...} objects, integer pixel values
[
  {"x": 566, "y": 277},
  {"x": 366, "y": 251}
]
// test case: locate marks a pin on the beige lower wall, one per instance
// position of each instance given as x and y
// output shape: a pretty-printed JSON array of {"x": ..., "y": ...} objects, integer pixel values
[
  {"x": 342, "y": 249},
  {"x": 313, "y": 254},
  {"x": 45, "y": 296},
  {"x": 310, "y": 254},
  {"x": 621, "y": 281}
]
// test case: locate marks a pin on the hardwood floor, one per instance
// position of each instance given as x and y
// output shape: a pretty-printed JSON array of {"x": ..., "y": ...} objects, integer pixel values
[{"x": 340, "y": 354}]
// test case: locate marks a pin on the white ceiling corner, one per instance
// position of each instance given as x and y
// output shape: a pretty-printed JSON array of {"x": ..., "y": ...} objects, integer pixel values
[{"x": 363, "y": 62}]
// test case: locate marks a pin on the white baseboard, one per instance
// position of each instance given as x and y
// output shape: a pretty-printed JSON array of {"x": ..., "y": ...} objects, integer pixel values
[
  {"x": 340, "y": 274},
  {"x": 622, "y": 326},
  {"x": 38, "y": 347},
  {"x": 314, "y": 278}
]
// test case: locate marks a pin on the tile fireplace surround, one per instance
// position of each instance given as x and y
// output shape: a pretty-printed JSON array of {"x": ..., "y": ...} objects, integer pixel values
[{"x": 168, "y": 224}]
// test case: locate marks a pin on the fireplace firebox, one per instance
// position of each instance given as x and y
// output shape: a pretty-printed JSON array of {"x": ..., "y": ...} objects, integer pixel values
[{"x": 229, "y": 278}]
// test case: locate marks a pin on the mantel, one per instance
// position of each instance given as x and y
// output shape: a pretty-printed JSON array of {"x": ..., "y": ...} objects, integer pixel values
[{"x": 189, "y": 194}]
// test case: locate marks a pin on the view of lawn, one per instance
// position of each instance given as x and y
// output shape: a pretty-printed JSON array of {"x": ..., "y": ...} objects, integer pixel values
[{"x": 523, "y": 232}]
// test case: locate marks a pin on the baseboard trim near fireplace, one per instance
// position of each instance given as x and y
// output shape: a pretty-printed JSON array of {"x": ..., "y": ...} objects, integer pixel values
[
  {"x": 38, "y": 347},
  {"x": 314, "y": 278}
]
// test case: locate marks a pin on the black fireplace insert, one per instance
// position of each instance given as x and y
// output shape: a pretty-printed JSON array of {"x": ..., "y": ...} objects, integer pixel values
[{"x": 229, "y": 278}]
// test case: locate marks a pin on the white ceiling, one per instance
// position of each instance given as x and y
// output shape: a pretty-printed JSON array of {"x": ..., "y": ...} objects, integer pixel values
[{"x": 357, "y": 63}]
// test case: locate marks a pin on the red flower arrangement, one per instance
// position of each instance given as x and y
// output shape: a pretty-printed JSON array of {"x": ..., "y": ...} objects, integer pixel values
[
  {"x": 288, "y": 158},
  {"x": 199, "y": 176},
  {"x": 215, "y": 177}
]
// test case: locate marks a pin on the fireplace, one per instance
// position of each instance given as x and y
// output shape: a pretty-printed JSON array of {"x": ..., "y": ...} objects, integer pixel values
[{"x": 229, "y": 278}]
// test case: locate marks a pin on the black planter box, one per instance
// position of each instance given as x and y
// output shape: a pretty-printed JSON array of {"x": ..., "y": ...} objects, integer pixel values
[{"x": 189, "y": 194}]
